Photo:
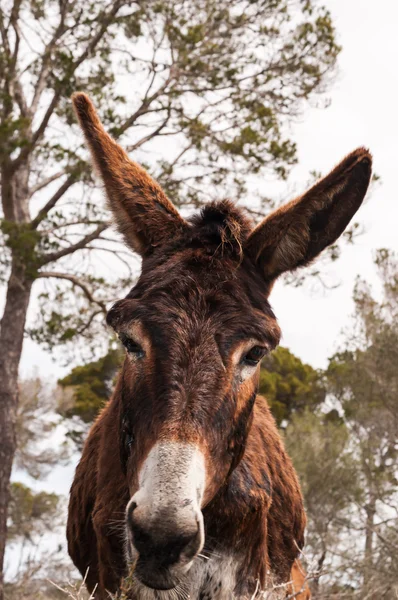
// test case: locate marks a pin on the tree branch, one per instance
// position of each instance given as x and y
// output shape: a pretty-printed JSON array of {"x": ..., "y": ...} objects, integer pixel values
[
  {"x": 36, "y": 136},
  {"x": 3, "y": 32},
  {"x": 44, "y": 182},
  {"x": 53, "y": 200},
  {"x": 151, "y": 135},
  {"x": 72, "y": 224},
  {"x": 115, "y": 253},
  {"x": 146, "y": 103},
  {"x": 76, "y": 282},
  {"x": 14, "y": 85},
  {"x": 45, "y": 67},
  {"x": 86, "y": 326},
  {"x": 47, "y": 258}
]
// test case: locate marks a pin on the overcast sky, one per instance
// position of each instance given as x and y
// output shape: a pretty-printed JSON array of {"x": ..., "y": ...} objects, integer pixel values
[{"x": 363, "y": 111}]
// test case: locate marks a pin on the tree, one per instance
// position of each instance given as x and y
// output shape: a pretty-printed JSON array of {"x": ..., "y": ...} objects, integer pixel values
[
  {"x": 36, "y": 422},
  {"x": 364, "y": 379},
  {"x": 31, "y": 516},
  {"x": 319, "y": 445},
  {"x": 289, "y": 385},
  {"x": 30, "y": 513},
  {"x": 92, "y": 385},
  {"x": 86, "y": 389},
  {"x": 219, "y": 78},
  {"x": 34, "y": 514}
]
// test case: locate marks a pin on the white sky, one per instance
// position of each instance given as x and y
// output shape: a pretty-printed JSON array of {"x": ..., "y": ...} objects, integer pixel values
[{"x": 363, "y": 111}]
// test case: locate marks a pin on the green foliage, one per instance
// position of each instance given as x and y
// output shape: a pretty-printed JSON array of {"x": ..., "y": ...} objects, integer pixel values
[
  {"x": 328, "y": 471},
  {"x": 373, "y": 347},
  {"x": 73, "y": 309},
  {"x": 30, "y": 513},
  {"x": 290, "y": 385},
  {"x": 92, "y": 386},
  {"x": 362, "y": 381},
  {"x": 364, "y": 376},
  {"x": 249, "y": 65},
  {"x": 22, "y": 241}
]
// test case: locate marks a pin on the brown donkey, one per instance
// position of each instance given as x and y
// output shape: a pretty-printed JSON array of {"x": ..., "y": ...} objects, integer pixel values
[{"x": 184, "y": 482}]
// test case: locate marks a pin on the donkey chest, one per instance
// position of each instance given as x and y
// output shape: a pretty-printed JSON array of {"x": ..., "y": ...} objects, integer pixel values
[
  {"x": 219, "y": 579},
  {"x": 212, "y": 579}
]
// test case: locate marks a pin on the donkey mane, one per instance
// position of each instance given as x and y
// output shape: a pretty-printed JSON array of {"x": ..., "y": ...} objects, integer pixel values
[{"x": 224, "y": 225}]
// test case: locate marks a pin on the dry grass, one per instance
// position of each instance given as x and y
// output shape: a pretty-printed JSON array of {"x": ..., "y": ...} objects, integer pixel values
[{"x": 75, "y": 591}]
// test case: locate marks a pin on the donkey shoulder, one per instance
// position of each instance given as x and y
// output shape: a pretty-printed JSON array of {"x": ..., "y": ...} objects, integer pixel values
[
  {"x": 81, "y": 537},
  {"x": 286, "y": 518}
]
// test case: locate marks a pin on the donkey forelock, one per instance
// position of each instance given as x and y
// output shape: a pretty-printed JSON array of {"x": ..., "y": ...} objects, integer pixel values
[{"x": 200, "y": 460}]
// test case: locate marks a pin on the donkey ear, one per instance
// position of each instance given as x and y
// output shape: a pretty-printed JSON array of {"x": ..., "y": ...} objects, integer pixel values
[
  {"x": 293, "y": 235},
  {"x": 143, "y": 213}
]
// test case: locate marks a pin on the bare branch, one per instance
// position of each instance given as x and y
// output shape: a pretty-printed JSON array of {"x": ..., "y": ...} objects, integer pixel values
[
  {"x": 117, "y": 254},
  {"x": 53, "y": 200},
  {"x": 47, "y": 258},
  {"x": 7, "y": 104},
  {"x": 146, "y": 103},
  {"x": 86, "y": 325},
  {"x": 3, "y": 32},
  {"x": 151, "y": 135},
  {"x": 46, "y": 181},
  {"x": 171, "y": 166},
  {"x": 46, "y": 63},
  {"x": 12, "y": 81},
  {"x": 36, "y": 136},
  {"x": 72, "y": 224},
  {"x": 76, "y": 282}
]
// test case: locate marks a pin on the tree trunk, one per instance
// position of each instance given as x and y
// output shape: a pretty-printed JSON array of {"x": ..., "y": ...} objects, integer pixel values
[
  {"x": 369, "y": 534},
  {"x": 314, "y": 585},
  {"x": 11, "y": 339}
]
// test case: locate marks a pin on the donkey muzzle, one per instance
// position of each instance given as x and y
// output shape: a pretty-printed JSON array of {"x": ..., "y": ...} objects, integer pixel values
[
  {"x": 165, "y": 551},
  {"x": 164, "y": 519}
]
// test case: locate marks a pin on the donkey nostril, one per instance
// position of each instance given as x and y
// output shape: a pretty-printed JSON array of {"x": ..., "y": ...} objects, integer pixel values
[
  {"x": 192, "y": 544},
  {"x": 130, "y": 509},
  {"x": 165, "y": 548}
]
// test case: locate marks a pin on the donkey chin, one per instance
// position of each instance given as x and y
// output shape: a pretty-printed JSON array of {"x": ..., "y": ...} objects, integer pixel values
[{"x": 164, "y": 522}]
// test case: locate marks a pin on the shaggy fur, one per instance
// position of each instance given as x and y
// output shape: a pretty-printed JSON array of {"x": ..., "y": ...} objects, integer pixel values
[{"x": 201, "y": 296}]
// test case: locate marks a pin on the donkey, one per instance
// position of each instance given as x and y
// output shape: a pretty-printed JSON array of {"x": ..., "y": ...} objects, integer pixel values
[{"x": 184, "y": 483}]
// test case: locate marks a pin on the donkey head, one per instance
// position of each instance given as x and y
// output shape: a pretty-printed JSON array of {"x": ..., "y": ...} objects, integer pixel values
[{"x": 195, "y": 327}]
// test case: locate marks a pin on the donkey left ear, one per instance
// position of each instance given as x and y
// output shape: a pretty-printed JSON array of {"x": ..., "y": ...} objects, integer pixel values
[
  {"x": 143, "y": 213},
  {"x": 293, "y": 235}
]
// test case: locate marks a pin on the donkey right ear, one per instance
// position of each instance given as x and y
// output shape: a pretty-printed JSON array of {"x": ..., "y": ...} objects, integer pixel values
[{"x": 144, "y": 215}]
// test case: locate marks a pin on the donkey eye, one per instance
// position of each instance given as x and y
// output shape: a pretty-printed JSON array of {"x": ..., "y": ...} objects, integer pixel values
[
  {"x": 131, "y": 346},
  {"x": 129, "y": 440},
  {"x": 253, "y": 357}
]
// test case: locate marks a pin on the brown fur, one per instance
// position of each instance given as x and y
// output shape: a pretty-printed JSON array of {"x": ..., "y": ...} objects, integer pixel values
[
  {"x": 144, "y": 214},
  {"x": 201, "y": 297},
  {"x": 296, "y": 233},
  {"x": 299, "y": 587}
]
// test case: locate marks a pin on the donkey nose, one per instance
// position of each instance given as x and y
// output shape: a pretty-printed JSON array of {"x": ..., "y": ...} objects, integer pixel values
[
  {"x": 164, "y": 541},
  {"x": 166, "y": 550}
]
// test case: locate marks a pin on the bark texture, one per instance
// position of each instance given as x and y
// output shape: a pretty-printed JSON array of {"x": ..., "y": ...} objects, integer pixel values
[
  {"x": 11, "y": 339},
  {"x": 12, "y": 326}
]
